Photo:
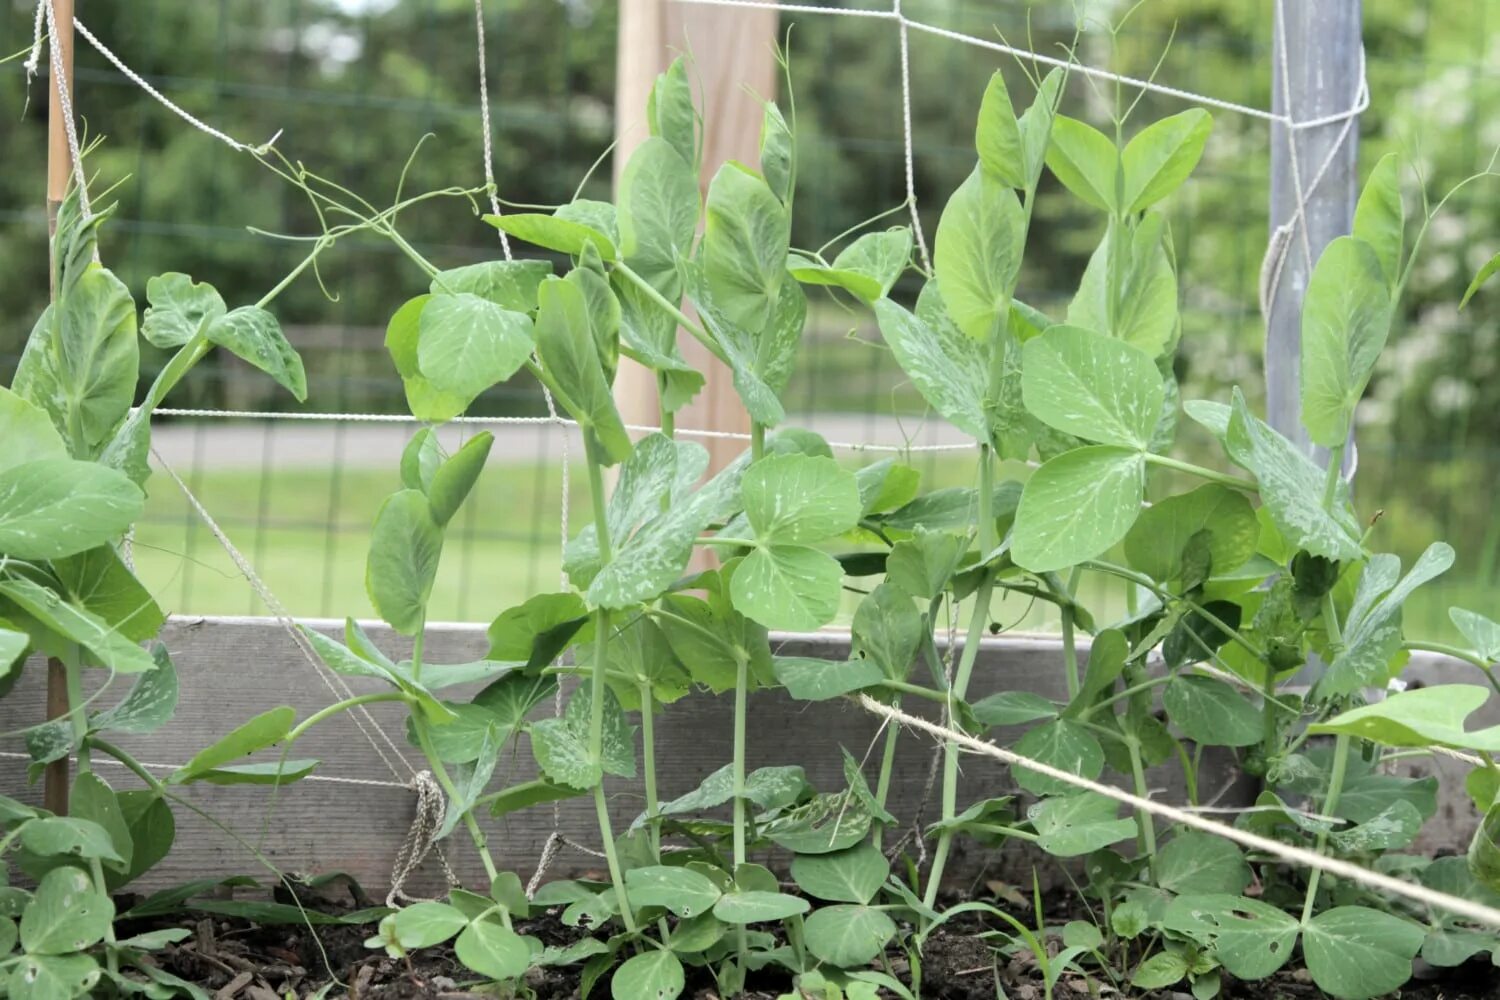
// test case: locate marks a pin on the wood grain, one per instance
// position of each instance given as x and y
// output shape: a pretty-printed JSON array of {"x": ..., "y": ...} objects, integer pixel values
[{"x": 232, "y": 669}]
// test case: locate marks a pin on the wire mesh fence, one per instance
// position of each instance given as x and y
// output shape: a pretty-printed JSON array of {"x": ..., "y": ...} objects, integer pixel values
[{"x": 354, "y": 85}]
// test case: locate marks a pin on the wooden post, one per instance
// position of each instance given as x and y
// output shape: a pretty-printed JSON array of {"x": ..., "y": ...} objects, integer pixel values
[
  {"x": 734, "y": 68},
  {"x": 1321, "y": 77},
  {"x": 59, "y": 174}
]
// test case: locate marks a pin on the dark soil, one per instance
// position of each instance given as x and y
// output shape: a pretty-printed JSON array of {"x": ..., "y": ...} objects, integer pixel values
[{"x": 233, "y": 958}]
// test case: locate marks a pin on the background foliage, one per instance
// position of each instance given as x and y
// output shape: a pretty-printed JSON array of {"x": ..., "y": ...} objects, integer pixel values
[{"x": 355, "y": 83}]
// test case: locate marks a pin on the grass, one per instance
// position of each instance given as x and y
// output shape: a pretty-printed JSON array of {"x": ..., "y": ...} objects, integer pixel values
[{"x": 305, "y": 531}]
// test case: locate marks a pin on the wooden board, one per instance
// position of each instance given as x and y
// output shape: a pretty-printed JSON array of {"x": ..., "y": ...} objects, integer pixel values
[{"x": 233, "y": 668}]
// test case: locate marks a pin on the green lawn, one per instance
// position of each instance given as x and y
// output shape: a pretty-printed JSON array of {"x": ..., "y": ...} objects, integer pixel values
[{"x": 305, "y": 531}]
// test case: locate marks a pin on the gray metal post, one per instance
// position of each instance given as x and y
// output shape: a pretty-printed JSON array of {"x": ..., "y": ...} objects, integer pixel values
[{"x": 1321, "y": 77}]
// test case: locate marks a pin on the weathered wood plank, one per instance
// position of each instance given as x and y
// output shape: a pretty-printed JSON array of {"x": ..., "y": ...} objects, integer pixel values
[{"x": 234, "y": 668}]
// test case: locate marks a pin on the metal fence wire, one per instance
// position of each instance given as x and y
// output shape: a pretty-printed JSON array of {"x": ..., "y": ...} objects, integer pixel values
[{"x": 354, "y": 85}]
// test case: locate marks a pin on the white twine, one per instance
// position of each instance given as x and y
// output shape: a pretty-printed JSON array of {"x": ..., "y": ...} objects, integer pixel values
[
  {"x": 484, "y": 117},
  {"x": 1090, "y": 71},
  {"x": 1286, "y": 852},
  {"x": 335, "y": 683},
  {"x": 404, "y": 418},
  {"x": 63, "y": 86},
  {"x": 907, "y": 145}
]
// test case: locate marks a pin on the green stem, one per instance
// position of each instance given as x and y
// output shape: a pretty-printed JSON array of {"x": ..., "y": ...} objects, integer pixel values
[
  {"x": 887, "y": 767},
  {"x": 324, "y": 714},
  {"x": 1143, "y": 818},
  {"x": 78, "y": 713},
  {"x": 1233, "y": 482},
  {"x": 177, "y": 366},
  {"x": 1070, "y": 652},
  {"x": 1331, "y": 478},
  {"x": 699, "y": 333},
  {"x": 1458, "y": 653},
  {"x": 978, "y": 619},
  {"x": 1169, "y": 597},
  {"x": 1330, "y": 803},
  {"x": 1128, "y": 692},
  {"x": 597, "y": 687},
  {"x": 667, "y": 419},
  {"x": 757, "y": 441},
  {"x": 741, "y": 696},
  {"x": 1268, "y": 708},
  {"x": 445, "y": 781},
  {"x": 648, "y": 764}
]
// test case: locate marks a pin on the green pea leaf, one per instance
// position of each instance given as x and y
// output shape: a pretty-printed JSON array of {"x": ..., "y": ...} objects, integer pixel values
[
  {"x": 1396, "y": 826},
  {"x": 1129, "y": 289},
  {"x": 1372, "y": 634},
  {"x": 847, "y": 937},
  {"x": 760, "y": 357},
  {"x": 13, "y": 646},
  {"x": 744, "y": 248},
  {"x": 1159, "y": 539},
  {"x": 670, "y": 113},
  {"x": 1106, "y": 662},
  {"x": 1160, "y": 971},
  {"x": 1162, "y": 155},
  {"x": 104, "y": 644},
  {"x": 1484, "y": 274},
  {"x": 92, "y": 799},
  {"x": 1063, "y": 744},
  {"x": 790, "y": 587},
  {"x": 1085, "y": 161},
  {"x": 99, "y": 582},
  {"x": 854, "y": 875},
  {"x": 977, "y": 254},
  {"x": 1346, "y": 317},
  {"x": 465, "y": 344},
  {"x": 152, "y": 829},
  {"x": 179, "y": 309},
  {"x": 1078, "y": 505},
  {"x": 1250, "y": 938},
  {"x": 1196, "y": 863},
  {"x": 946, "y": 367},
  {"x": 810, "y": 679},
  {"x": 67, "y": 914},
  {"x": 757, "y": 906},
  {"x": 27, "y": 431},
  {"x": 799, "y": 499},
  {"x": 493, "y": 950},
  {"x": 53, "y": 977},
  {"x": 654, "y": 974},
  {"x": 56, "y": 507},
  {"x": 1070, "y": 825},
  {"x": 425, "y": 924},
  {"x": 561, "y": 745},
  {"x": 258, "y": 733},
  {"x": 1208, "y": 711},
  {"x": 922, "y": 564},
  {"x": 867, "y": 268},
  {"x": 778, "y": 154},
  {"x": 767, "y": 787},
  {"x": 1482, "y": 634},
  {"x": 1419, "y": 718},
  {"x": 658, "y": 213},
  {"x": 537, "y": 630},
  {"x": 683, "y": 891},
  {"x": 1380, "y": 219},
  {"x": 1088, "y": 385},
  {"x": 997, "y": 135},
  {"x": 55, "y": 836},
  {"x": 1484, "y": 850},
  {"x": 1355, "y": 952},
  {"x": 824, "y": 824},
  {"x": 80, "y": 363},
  {"x": 405, "y": 546},
  {"x": 509, "y": 284},
  {"x": 402, "y": 340},
  {"x": 554, "y": 232},
  {"x": 1291, "y": 487},
  {"x": 452, "y": 481},
  {"x": 1013, "y": 708},
  {"x": 887, "y": 629},
  {"x": 253, "y": 334}
]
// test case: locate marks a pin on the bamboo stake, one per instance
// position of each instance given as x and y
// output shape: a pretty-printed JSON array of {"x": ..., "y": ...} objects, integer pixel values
[{"x": 59, "y": 173}]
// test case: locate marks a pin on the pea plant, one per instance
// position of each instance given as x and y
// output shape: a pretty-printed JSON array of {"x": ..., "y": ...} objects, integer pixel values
[
  {"x": 1232, "y": 588},
  {"x": 72, "y": 478}
]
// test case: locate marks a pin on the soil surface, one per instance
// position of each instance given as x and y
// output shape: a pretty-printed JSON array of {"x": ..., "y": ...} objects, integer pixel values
[{"x": 233, "y": 958}]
